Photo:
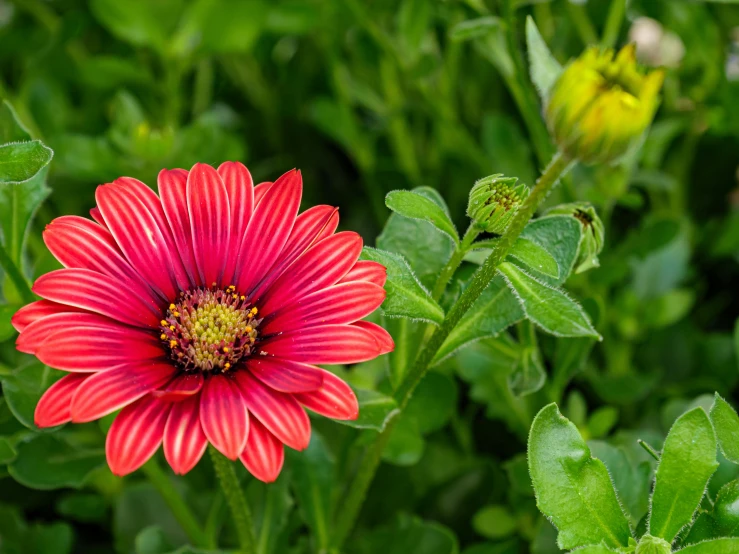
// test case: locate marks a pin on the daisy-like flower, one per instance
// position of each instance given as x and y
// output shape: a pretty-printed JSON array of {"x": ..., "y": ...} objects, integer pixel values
[{"x": 201, "y": 314}]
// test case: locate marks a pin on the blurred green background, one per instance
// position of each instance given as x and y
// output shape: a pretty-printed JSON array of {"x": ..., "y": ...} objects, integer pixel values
[{"x": 370, "y": 96}]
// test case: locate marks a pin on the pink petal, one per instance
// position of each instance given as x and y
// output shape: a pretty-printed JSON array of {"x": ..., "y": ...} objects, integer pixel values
[
  {"x": 99, "y": 293},
  {"x": 366, "y": 270},
  {"x": 260, "y": 190},
  {"x": 139, "y": 237},
  {"x": 71, "y": 323},
  {"x": 55, "y": 406},
  {"x": 79, "y": 243},
  {"x": 311, "y": 226},
  {"x": 268, "y": 230},
  {"x": 210, "y": 221},
  {"x": 280, "y": 413},
  {"x": 264, "y": 453},
  {"x": 136, "y": 434},
  {"x": 108, "y": 391},
  {"x": 184, "y": 440},
  {"x": 240, "y": 189},
  {"x": 223, "y": 415},
  {"x": 285, "y": 375},
  {"x": 181, "y": 387},
  {"x": 382, "y": 337},
  {"x": 38, "y": 310},
  {"x": 344, "y": 303},
  {"x": 335, "y": 399},
  {"x": 320, "y": 267},
  {"x": 97, "y": 216},
  {"x": 97, "y": 349},
  {"x": 173, "y": 189},
  {"x": 152, "y": 203},
  {"x": 325, "y": 344}
]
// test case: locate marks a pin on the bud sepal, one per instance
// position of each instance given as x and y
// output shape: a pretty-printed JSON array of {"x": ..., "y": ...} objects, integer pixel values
[{"x": 494, "y": 201}]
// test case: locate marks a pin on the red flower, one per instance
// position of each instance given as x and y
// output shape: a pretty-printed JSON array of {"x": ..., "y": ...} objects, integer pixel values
[{"x": 202, "y": 315}]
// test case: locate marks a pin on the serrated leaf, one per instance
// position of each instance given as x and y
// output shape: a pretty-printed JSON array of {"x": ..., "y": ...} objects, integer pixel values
[
  {"x": 417, "y": 206},
  {"x": 495, "y": 310},
  {"x": 375, "y": 410},
  {"x": 726, "y": 423},
  {"x": 406, "y": 296},
  {"x": 23, "y": 389},
  {"x": 559, "y": 235},
  {"x": 543, "y": 68},
  {"x": 718, "y": 546},
  {"x": 547, "y": 307},
  {"x": 47, "y": 462},
  {"x": 535, "y": 257},
  {"x": 21, "y": 161},
  {"x": 687, "y": 462},
  {"x": 573, "y": 489}
]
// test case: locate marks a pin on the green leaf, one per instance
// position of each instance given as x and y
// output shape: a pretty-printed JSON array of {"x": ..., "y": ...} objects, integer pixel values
[
  {"x": 152, "y": 540},
  {"x": 549, "y": 308},
  {"x": 726, "y": 423},
  {"x": 718, "y": 546},
  {"x": 7, "y": 452},
  {"x": 418, "y": 242},
  {"x": 433, "y": 402},
  {"x": 726, "y": 511},
  {"x": 272, "y": 505},
  {"x": 474, "y": 28},
  {"x": 495, "y": 310},
  {"x": 406, "y": 296},
  {"x": 405, "y": 445},
  {"x": 543, "y": 68},
  {"x": 48, "y": 462},
  {"x": 494, "y": 522},
  {"x": 314, "y": 476},
  {"x": 23, "y": 389},
  {"x": 21, "y": 161},
  {"x": 687, "y": 462},
  {"x": 573, "y": 489},
  {"x": 11, "y": 129},
  {"x": 83, "y": 507},
  {"x": 594, "y": 550},
  {"x": 55, "y": 538},
  {"x": 417, "y": 206},
  {"x": 528, "y": 376},
  {"x": 375, "y": 410},
  {"x": 559, "y": 235},
  {"x": 535, "y": 257}
]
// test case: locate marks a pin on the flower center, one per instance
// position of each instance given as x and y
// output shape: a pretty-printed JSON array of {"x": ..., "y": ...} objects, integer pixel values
[{"x": 210, "y": 329}]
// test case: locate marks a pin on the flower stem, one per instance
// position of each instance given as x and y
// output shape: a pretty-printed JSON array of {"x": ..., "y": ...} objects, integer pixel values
[
  {"x": 480, "y": 280},
  {"x": 236, "y": 501},
  {"x": 180, "y": 509},
  {"x": 448, "y": 270}
]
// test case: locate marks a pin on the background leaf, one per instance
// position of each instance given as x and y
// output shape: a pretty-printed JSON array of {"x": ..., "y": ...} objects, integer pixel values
[{"x": 726, "y": 424}]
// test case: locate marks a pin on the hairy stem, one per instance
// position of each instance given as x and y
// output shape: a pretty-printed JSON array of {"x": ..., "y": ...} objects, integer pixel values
[
  {"x": 448, "y": 270},
  {"x": 236, "y": 501},
  {"x": 480, "y": 280},
  {"x": 180, "y": 509}
]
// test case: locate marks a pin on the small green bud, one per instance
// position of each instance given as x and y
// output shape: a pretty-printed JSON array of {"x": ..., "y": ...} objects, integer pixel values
[
  {"x": 593, "y": 232},
  {"x": 600, "y": 104},
  {"x": 494, "y": 201},
  {"x": 653, "y": 545}
]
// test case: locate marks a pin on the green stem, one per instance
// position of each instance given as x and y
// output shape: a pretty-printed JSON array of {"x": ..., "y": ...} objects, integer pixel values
[
  {"x": 448, "y": 270},
  {"x": 582, "y": 23},
  {"x": 214, "y": 519},
  {"x": 613, "y": 23},
  {"x": 480, "y": 280},
  {"x": 177, "y": 505},
  {"x": 15, "y": 275},
  {"x": 236, "y": 501}
]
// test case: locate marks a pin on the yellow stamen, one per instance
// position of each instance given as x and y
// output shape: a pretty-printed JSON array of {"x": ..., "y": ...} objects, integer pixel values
[
  {"x": 163, "y": 336},
  {"x": 172, "y": 343}
]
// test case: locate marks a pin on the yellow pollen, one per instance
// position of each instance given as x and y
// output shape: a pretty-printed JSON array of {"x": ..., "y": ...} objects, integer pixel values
[
  {"x": 171, "y": 327},
  {"x": 242, "y": 297},
  {"x": 225, "y": 349},
  {"x": 176, "y": 314},
  {"x": 226, "y": 365},
  {"x": 163, "y": 336},
  {"x": 163, "y": 322},
  {"x": 172, "y": 343},
  {"x": 248, "y": 329},
  {"x": 172, "y": 306}
]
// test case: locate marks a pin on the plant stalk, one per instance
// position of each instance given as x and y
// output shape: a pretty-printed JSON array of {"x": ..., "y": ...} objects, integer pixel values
[
  {"x": 236, "y": 501},
  {"x": 448, "y": 270},
  {"x": 180, "y": 509},
  {"x": 357, "y": 491}
]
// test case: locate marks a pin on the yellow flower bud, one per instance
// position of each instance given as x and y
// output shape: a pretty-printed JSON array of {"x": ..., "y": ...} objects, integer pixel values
[{"x": 600, "y": 105}]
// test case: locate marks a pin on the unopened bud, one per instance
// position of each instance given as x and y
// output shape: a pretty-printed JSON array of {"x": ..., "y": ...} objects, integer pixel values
[
  {"x": 600, "y": 104},
  {"x": 494, "y": 201},
  {"x": 593, "y": 233}
]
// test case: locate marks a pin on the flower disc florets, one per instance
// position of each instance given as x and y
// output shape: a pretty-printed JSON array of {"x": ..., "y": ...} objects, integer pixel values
[
  {"x": 210, "y": 329},
  {"x": 599, "y": 104},
  {"x": 494, "y": 201}
]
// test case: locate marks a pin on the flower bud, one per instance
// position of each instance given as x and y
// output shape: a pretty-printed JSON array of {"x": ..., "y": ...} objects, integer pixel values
[
  {"x": 653, "y": 545},
  {"x": 494, "y": 201},
  {"x": 600, "y": 105},
  {"x": 592, "y": 229}
]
